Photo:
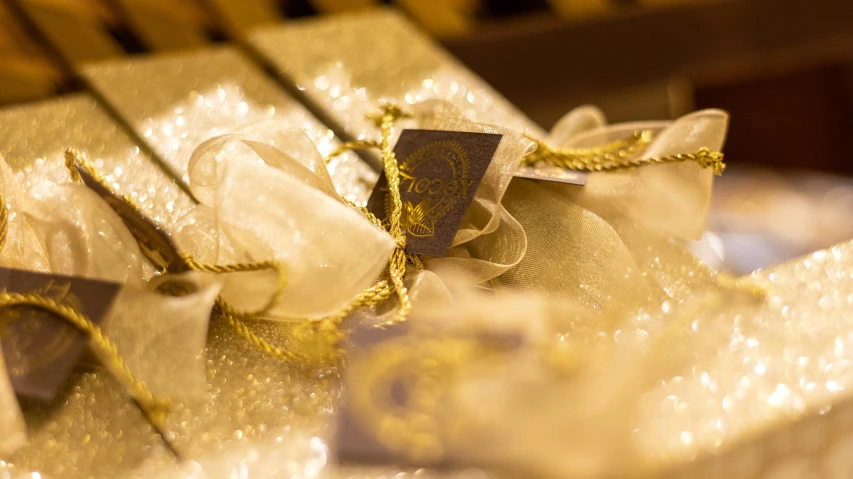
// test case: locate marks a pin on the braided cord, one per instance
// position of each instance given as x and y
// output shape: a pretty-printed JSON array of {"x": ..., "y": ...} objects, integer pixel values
[
  {"x": 610, "y": 157},
  {"x": 397, "y": 264},
  {"x": 231, "y": 315},
  {"x": 384, "y": 289},
  {"x": 154, "y": 408},
  {"x": 617, "y": 155},
  {"x": 235, "y": 320},
  {"x": 351, "y": 145},
  {"x": 244, "y": 268},
  {"x": 4, "y": 221}
]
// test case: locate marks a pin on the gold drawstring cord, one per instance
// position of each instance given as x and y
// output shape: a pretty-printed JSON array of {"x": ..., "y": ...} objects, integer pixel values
[
  {"x": 352, "y": 145},
  {"x": 244, "y": 268},
  {"x": 383, "y": 289},
  {"x": 232, "y": 316},
  {"x": 154, "y": 408},
  {"x": 4, "y": 221},
  {"x": 617, "y": 156},
  {"x": 74, "y": 158},
  {"x": 610, "y": 157},
  {"x": 235, "y": 320},
  {"x": 397, "y": 264}
]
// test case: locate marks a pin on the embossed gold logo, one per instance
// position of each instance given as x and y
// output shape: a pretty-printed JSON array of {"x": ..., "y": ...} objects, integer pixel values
[
  {"x": 30, "y": 342},
  {"x": 440, "y": 171}
]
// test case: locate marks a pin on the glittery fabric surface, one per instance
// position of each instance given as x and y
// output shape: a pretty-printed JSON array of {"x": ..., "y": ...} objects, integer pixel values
[
  {"x": 176, "y": 101},
  {"x": 33, "y": 140},
  {"x": 259, "y": 417},
  {"x": 347, "y": 64},
  {"x": 92, "y": 430},
  {"x": 757, "y": 367}
]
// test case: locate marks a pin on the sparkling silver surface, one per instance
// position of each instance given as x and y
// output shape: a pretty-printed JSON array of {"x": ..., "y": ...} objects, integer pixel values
[
  {"x": 757, "y": 366},
  {"x": 33, "y": 140},
  {"x": 347, "y": 64},
  {"x": 176, "y": 101}
]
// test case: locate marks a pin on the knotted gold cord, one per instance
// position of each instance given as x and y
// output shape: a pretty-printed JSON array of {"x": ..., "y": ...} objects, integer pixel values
[
  {"x": 617, "y": 156},
  {"x": 4, "y": 221},
  {"x": 397, "y": 265},
  {"x": 154, "y": 408},
  {"x": 382, "y": 290},
  {"x": 609, "y": 157},
  {"x": 72, "y": 158}
]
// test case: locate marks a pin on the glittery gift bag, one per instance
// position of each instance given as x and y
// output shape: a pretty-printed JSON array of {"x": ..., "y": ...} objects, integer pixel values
[
  {"x": 249, "y": 401},
  {"x": 148, "y": 346}
]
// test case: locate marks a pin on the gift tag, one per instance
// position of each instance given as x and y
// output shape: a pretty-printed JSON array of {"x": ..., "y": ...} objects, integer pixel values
[
  {"x": 39, "y": 348},
  {"x": 394, "y": 408},
  {"x": 154, "y": 242},
  {"x": 543, "y": 171},
  {"x": 440, "y": 172}
]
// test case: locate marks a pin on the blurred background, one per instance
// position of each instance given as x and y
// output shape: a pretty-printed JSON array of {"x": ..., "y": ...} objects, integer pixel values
[{"x": 782, "y": 68}]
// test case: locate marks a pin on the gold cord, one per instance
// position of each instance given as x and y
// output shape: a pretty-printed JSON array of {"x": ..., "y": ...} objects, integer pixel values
[
  {"x": 236, "y": 318},
  {"x": 383, "y": 289},
  {"x": 242, "y": 329},
  {"x": 609, "y": 157},
  {"x": 4, "y": 221},
  {"x": 74, "y": 158},
  {"x": 244, "y": 268},
  {"x": 154, "y": 408},
  {"x": 352, "y": 145},
  {"x": 397, "y": 264},
  {"x": 232, "y": 316},
  {"x": 618, "y": 155}
]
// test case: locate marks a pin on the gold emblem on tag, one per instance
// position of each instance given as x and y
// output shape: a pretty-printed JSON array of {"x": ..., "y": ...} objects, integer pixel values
[{"x": 440, "y": 172}]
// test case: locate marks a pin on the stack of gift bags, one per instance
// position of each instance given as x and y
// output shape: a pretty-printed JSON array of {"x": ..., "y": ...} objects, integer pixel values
[{"x": 439, "y": 288}]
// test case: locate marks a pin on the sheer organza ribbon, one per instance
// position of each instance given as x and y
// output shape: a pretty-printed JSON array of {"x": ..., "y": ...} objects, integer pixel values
[
  {"x": 283, "y": 206},
  {"x": 614, "y": 243},
  {"x": 604, "y": 267}
]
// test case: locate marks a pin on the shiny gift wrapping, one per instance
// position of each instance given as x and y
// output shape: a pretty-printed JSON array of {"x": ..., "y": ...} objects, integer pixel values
[
  {"x": 719, "y": 384},
  {"x": 250, "y": 402},
  {"x": 33, "y": 140},
  {"x": 66, "y": 229},
  {"x": 349, "y": 63},
  {"x": 661, "y": 401},
  {"x": 174, "y": 102},
  {"x": 712, "y": 381}
]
